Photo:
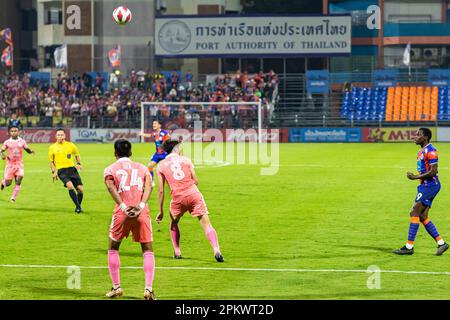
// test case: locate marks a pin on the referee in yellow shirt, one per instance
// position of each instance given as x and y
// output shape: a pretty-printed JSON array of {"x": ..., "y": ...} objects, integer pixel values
[{"x": 61, "y": 155}]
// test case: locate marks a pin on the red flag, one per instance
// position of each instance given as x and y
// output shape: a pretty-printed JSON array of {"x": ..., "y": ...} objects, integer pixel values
[
  {"x": 114, "y": 56},
  {"x": 6, "y": 58},
  {"x": 6, "y": 35}
]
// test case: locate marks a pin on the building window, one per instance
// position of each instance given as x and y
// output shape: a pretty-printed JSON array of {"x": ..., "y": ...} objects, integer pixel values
[
  {"x": 54, "y": 16},
  {"x": 359, "y": 18}
]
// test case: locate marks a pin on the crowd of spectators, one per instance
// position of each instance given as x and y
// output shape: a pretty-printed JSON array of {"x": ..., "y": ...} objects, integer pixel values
[{"x": 79, "y": 96}]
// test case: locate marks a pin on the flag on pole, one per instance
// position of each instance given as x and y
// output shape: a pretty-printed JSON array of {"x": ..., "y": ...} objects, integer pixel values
[
  {"x": 60, "y": 55},
  {"x": 114, "y": 56},
  {"x": 7, "y": 58},
  {"x": 6, "y": 35},
  {"x": 407, "y": 55}
]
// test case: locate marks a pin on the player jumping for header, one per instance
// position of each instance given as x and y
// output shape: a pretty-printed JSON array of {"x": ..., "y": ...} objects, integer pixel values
[
  {"x": 129, "y": 184},
  {"x": 179, "y": 173},
  {"x": 14, "y": 169},
  {"x": 427, "y": 165},
  {"x": 159, "y": 136}
]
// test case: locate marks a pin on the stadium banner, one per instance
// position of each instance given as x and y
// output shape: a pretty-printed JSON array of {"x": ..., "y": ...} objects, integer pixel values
[
  {"x": 230, "y": 135},
  {"x": 104, "y": 135},
  {"x": 239, "y": 35},
  {"x": 325, "y": 135},
  {"x": 385, "y": 78},
  {"x": 439, "y": 77},
  {"x": 399, "y": 134},
  {"x": 317, "y": 81},
  {"x": 443, "y": 134},
  {"x": 35, "y": 135}
]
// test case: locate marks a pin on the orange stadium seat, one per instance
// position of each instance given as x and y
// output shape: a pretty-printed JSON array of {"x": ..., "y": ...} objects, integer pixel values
[{"x": 390, "y": 103}]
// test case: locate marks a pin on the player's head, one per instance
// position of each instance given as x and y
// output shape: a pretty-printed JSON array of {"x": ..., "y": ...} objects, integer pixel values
[
  {"x": 171, "y": 146},
  {"x": 122, "y": 149},
  {"x": 423, "y": 136},
  {"x": 13, "y": 116},
  {"x": 60, "y": 135},
  {"x": 157, "y": 125},
  {"x": 14, "y": 132}
]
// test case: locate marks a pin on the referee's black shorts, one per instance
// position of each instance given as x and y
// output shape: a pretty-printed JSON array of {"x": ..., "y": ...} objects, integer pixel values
[{"x": 70, "y": 174}]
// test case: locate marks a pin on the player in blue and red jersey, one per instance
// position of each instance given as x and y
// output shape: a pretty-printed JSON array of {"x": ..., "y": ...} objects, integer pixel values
[
  {"x": 427, "y": 166},
  {"x": 159, "y": 136}
]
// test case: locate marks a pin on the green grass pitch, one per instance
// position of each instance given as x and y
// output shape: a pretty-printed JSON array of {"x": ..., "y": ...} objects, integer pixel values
[{"x": 331, "y": 209}]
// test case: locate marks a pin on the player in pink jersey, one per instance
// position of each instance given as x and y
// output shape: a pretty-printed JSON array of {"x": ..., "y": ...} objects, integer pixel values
[
  {"x": 130, "y": 185},
  {"x": 179, "y": 173},
  {"x": 14, "y": 169}
]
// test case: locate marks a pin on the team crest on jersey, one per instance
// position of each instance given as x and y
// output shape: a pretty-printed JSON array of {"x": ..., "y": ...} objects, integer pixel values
[{"x": 69, "y": 156}]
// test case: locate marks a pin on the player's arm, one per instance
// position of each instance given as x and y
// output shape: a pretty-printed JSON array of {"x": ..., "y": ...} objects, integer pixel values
[
  {"x": 51, "y": 158},
  {"x": 145, "y": 135},
  {"x": 76, "y": 154},
  {"x": 432, "y": 158},
  {"x": 2, "y": 152},
  {"x": 194, "y": 175},
  {"x": 161, "y": 184},
  {"x": 110, "y": 185},
  {"x": 427, "y": 175},
  {"x": 27, "y": 149},
  {"x": 136, "y": 211}
]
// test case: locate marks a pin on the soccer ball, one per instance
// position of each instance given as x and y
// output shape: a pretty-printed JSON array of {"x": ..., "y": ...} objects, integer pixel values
[{"x": 122, "y": 15}]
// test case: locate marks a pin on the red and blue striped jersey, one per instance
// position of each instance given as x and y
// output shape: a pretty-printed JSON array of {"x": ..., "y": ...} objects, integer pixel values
[
  {"x": 425, "y": 157},
  {"x": 159, "y": 138}
]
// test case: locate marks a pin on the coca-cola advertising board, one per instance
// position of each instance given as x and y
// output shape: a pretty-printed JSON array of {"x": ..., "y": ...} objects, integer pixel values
[{"x": 35, "y": 135}]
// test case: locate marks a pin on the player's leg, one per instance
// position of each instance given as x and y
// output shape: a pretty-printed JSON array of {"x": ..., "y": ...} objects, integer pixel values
[
  {"x": 417, "y": 209},
  {"x": 17, "y": 188},
  {"x": 149, "y": 270},
  {"x": 114, "y": 268},
  {"x": 72, "y": 193},
  {"x": 197, "y": 208},
  {"x": 142, "y": 233},
  {"x": 80, "y": 194},
  {"x": 432, "y": 231},
  {"x": 151, "y": 168},
  {"x": 175, "y": 233},
  {"x": 8, "y": 177},
  {"x": 211, "y": 235},
  {"x": 6, "y": 183}
]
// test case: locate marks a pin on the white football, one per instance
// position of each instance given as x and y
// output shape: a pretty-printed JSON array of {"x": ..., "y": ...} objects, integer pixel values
[{"x": 122, "y": 15}]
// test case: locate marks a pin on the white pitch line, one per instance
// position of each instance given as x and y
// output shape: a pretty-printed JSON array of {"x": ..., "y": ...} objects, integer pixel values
[{"x": 232, "y": 269}]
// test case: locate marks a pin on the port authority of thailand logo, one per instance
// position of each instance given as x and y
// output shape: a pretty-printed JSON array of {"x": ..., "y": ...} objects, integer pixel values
[{"x": 174, "y": 36}]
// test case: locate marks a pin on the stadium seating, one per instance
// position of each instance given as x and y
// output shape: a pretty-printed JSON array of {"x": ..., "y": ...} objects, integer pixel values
[
  {"x": 396, "y": 104},
  {"x": 364, "y": 104}
]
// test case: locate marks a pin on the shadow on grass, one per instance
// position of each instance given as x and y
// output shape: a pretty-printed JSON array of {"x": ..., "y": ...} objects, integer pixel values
[
  {"x": 53, "y": 210},
  {"x": 372, "y": 248},
  {"x": 138, "y": 254},
  {"x": 67, "y": 294}
]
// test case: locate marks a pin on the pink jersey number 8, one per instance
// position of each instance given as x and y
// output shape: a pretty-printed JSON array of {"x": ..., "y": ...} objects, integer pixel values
[{"x": 178, "y": 173}]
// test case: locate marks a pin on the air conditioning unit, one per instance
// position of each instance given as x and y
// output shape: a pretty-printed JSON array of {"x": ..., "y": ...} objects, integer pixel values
[
  {"x": 430, "y": 53},
  {"x": 416, "y": 53}
]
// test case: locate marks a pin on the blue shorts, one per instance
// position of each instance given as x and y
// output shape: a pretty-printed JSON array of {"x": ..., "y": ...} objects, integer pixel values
[
  {"x": 157, "y": 157},
  {"x": 426, "y": 194}
]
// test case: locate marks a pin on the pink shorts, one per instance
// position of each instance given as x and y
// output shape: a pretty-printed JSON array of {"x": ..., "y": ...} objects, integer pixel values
[
  {"x": 193, "y": 203},
  {"x": 13, "y": 170},
  {"x": 141, "y": 227}
]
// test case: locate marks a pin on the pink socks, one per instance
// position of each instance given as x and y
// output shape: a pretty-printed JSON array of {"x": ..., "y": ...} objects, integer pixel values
[
  {"x": 175, "y": 235},
  {"x": 114, "y": 267},
  {"x": 211, "y": 234},
  {"x": 16, "y": 191},
  {"x": 149, "y": 269}
]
